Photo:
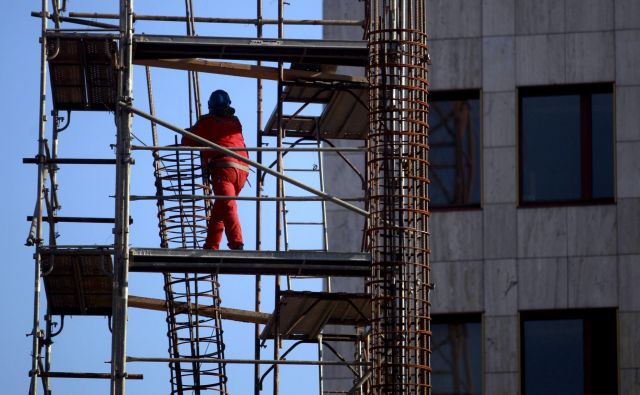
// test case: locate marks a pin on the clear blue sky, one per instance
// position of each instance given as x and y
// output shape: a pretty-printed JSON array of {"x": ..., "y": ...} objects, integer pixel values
[{"x": 84, "y": 191}]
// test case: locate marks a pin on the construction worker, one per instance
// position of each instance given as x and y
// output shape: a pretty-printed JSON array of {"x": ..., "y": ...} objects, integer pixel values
[{"x": 228, "y": 175}]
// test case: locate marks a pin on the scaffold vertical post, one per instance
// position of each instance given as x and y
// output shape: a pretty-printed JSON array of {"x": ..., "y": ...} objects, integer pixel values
[
  {"x": 397, "y": 166},
  {"x": 279, "y": 206},
  {"x": 123, "y": 178},
  {"x": 259, "y": 187},
  {"x": 42, "y": 123},
  {"x": 53, "y": 195}
]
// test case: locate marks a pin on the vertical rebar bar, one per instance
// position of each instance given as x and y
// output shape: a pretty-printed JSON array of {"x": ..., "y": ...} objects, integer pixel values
[
  {"x": 397, "y": 166},
  {"x": 123, "y": 181}
]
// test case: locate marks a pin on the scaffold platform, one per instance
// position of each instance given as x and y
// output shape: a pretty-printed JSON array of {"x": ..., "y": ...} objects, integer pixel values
[
  {"x": 345, "y": 115},
  {"x": 308, "y": 263},
  {"x": 78, "y": 284},
  {"x": 337, "y": 52},
  {"x": 161, "y": 260},
  {"x": 83, "y": 72},
  {"x": 303, "y": 315}
]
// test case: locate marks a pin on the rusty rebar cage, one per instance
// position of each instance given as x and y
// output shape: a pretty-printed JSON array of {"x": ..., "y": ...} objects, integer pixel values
[
  {"x": 183, "y": 222},
  {"x": 183, "y": 225},
  {"x": 397, "y": 166}
]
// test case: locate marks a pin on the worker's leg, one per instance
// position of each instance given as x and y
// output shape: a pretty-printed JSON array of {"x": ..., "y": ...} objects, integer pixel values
[
  {"x": 232, "y": 226},
  {"x": 222, "y": 186},
  {"x": 214, "y": 234},
  {"x": 224, "y": 213}
]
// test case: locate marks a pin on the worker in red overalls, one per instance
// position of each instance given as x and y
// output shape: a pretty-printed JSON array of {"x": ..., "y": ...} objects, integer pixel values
[{"x": 228, "y": 175}]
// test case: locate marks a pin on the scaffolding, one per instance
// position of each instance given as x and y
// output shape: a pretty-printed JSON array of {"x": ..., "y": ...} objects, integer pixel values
[{"x": 91, "y": 69}]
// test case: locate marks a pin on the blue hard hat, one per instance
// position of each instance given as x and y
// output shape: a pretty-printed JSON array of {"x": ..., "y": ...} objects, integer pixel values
[{"x": 219, "y": 99}]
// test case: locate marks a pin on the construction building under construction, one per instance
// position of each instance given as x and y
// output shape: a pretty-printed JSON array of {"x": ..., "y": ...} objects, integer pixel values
[
  {"x": 88, "y": 58},
  {"x": 534, "y": 137}
]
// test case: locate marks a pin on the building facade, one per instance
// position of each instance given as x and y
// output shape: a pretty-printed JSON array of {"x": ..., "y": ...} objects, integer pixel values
[{"x": 535, "y": 195}]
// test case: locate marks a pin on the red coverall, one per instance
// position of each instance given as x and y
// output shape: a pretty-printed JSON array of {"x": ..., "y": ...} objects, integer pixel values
[{"x": 228, "y": 176}]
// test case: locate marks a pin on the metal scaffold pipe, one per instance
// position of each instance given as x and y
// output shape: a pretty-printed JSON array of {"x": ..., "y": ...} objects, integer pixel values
[
  {"x": 261, "y": 198},
  {"x": 36, "y": 331},
  {"x": 397, "y": 190},
  {"x": 259, "y": 189},
  {"x": 123, "y": 184},
  {"x": 253, "y": 21},
  {"x": 250, "y": 361},
  {"x": 249, "y": 149},
  {"x": 279, "y": 206}
]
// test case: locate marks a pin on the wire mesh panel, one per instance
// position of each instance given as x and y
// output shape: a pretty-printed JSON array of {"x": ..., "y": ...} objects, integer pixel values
[
  {"x": 183, "y": 225},
  {"x": 397, "y": 167}
]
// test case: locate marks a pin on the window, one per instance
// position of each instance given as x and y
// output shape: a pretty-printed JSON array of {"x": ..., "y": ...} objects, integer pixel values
[
  {"x": 569, "y": 352},
  {"x": 566, "y": 144},
  {"x": 456, "y": 355},
  {"x": 454, "y": 141}
]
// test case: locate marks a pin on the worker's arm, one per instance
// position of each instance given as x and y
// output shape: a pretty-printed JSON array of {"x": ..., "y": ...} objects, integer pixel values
[{"x": 186, "y": 140}]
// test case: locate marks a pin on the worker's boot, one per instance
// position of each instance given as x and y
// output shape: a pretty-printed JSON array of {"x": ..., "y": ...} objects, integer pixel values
[{"x": 236, "y": 246}]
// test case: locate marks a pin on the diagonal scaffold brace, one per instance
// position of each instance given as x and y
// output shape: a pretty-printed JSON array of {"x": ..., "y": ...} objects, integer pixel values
[{"x": 249, "y": 162}]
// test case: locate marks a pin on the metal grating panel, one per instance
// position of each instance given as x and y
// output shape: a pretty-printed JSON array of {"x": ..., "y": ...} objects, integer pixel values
[
  {"x": 67, "y": 77},
  {"x": 100, "y": 72},
  {"x": 77, "y": 284},
  {"x": 304, "y": 314},
  {"x": 83, "y": 74}
]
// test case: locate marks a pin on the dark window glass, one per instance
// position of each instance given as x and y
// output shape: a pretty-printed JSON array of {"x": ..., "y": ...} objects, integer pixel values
[
  {"x": 569, "y": 353},
  {"x": 566, "y": 144},
  {"x": 554, "y": 356},
  {"x": 456, "y": 355},
  {"x": 602, "y": 149},
  {"x": 454, "y": 141}
]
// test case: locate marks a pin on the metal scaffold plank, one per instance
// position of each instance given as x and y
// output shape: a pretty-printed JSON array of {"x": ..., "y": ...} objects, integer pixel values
[
  {"x": 250, "y": 262},
  {"x": 347, "y": 53}
]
